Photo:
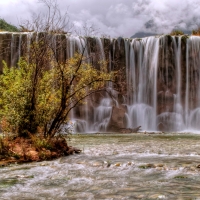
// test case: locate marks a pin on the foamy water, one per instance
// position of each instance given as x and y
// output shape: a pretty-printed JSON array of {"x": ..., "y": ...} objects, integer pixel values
[{"x": 112, "y": 166}]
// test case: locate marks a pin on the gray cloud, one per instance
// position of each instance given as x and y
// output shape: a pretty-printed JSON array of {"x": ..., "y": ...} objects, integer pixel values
[{"x": 115, "y": 17}]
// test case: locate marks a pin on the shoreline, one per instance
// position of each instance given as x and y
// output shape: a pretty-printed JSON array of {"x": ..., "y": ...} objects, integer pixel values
[{"x": 26, "y": 150}]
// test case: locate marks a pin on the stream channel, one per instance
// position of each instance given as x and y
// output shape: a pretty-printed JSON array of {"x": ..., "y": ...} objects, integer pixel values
[{"x": 112, "y": 166}]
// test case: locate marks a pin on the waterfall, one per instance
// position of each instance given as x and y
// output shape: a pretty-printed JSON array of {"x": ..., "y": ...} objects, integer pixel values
[
  {"x": 142, "y": 77},
  {"x": 162, "y": 76},
  {"x": 192, "y": 104},
  {"x": 187, "y": 84}
]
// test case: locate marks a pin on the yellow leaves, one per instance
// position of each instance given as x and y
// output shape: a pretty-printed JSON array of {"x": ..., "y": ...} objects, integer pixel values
[
  {"x": 72, "y": 80},
  {"x": 86, "y": 77}
]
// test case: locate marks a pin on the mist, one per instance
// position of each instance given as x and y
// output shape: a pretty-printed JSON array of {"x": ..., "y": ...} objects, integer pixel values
[{"x": 114, "y": 17}]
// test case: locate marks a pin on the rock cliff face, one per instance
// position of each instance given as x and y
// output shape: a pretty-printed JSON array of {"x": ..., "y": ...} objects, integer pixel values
[{"x": 161, "y": 73}]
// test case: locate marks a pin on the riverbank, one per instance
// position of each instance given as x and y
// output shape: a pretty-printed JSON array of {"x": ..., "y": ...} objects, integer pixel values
[
  {"x": 21, "y": 150},
  {"x": 112, "y": 166},
  {"x": 16, "y": 150}
]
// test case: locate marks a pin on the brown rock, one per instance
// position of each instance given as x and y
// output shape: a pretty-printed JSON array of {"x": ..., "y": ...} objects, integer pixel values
[{"x": 117, "y": 118}]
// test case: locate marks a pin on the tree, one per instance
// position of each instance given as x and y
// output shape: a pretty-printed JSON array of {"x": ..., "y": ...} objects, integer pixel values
[{"x": 41, "y": 92}]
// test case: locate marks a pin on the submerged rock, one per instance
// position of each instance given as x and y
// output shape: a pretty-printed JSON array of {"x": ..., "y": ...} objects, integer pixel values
[{"x": 117, "y": 164}]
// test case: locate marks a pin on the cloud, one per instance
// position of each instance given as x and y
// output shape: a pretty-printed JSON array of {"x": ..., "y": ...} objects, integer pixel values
[{"x": 115, "y": 17}]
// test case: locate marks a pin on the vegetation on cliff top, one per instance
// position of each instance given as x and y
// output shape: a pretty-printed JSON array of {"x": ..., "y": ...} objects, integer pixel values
[
  {"x": 196, "y": 32},
  {"x": 4, "y": 26},
  {"x": 177, "y": 33}
]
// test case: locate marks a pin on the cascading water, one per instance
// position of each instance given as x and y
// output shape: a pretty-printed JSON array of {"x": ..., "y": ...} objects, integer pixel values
[
  {"x": 78, "y": 44},
  {"x": 102, "y": 112},
  {"x": 161, "y": 74},
  {"x": 142, "y": 79},
  {"x": 102, "y": 115},
  {"x": 192, "y": 98}
]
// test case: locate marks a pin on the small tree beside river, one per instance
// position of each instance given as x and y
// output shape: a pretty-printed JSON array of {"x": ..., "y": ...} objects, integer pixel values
[
  {"x": 37, "y": 96},
  {"x": 40, "y": 93},
  {"x": 34, "y": 98}
]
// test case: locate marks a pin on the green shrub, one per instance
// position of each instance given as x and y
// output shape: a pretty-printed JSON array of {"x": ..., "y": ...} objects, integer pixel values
[
  {"x": 4, "y": 26},
  {"x": 40, "y": 143}
]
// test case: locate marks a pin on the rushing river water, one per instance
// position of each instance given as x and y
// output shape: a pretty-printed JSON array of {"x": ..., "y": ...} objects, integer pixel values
[{"x": 134, "y": 166}]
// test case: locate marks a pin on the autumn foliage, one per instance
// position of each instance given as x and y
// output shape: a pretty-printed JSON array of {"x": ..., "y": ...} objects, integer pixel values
[{"x": 34, "y": 98}]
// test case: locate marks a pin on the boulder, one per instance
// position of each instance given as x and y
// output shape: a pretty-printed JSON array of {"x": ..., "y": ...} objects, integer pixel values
[{"x": 117, "y": 118}]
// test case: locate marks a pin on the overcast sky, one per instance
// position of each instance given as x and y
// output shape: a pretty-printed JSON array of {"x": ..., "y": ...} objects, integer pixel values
[{"x": 115, "y": 17}]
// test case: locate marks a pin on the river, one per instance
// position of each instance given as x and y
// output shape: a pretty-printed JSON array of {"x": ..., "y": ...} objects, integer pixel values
[{"x": 112, "y": 166}]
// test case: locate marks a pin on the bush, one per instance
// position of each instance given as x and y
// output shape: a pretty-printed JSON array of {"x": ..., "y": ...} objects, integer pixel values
[
  {"x": 196, "y": 32},
  {"x": 177, "y": 33},
  {"x": 4, "y": 26},
  {"x": 41, "y": 143},
  {"x": 4, "y": 147}
]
